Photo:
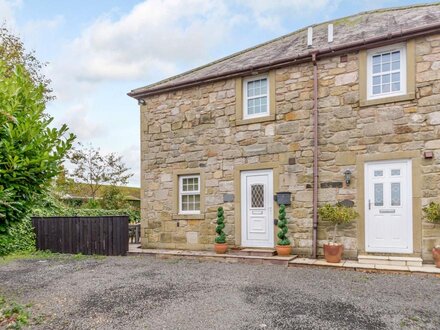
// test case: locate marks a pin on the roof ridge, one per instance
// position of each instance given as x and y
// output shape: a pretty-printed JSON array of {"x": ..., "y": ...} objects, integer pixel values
[{"x": 379, "y": 10}]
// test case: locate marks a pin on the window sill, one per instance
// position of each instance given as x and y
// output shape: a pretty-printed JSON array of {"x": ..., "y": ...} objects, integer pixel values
[
  {"x": 255, "y": 120},
  {"x": 390, "y": 99},
  {"x": 188, "y": 216}
]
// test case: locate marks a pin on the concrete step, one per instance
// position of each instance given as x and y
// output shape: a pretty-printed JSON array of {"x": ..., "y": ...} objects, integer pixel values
[
  {"x": 390, "y": 260},
  {"x": 255, "y": 252}
]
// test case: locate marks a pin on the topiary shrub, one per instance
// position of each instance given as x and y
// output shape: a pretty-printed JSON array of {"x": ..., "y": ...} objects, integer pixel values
[
  {"x": 221, "y": 236},
  {"x": 282, "y": 225},
  {"x": 337, "y": 214}
]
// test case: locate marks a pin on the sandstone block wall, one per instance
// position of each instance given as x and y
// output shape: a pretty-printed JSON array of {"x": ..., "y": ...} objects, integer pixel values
[{"x": 196, "y": 128}]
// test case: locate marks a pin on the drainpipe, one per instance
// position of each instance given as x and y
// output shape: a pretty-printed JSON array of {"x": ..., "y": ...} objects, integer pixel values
[{"x": 315, "y": 156}]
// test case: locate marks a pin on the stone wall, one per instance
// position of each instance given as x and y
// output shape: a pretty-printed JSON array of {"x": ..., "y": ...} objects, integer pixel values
[{"x": 196, "y": 128}]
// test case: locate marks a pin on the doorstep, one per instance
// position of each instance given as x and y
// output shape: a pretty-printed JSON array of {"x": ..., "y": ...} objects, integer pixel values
[
  {"x": 231, "y": 257},
  {"x": 362, "y": 266},
  {"x": 390, "y": 260}
]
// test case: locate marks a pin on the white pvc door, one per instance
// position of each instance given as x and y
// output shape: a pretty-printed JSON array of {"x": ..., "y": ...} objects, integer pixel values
[
  {"x": 388, "y": 207},
  {"x": 257, "y": 209}
]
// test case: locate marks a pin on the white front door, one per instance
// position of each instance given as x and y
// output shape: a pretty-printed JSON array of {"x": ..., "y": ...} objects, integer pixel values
[
  {"x": 388, "y": 207},
  {"x": 257, "y": 229}
]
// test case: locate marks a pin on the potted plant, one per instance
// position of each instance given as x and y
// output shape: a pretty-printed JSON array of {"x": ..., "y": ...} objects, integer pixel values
[
  {"x": 432, "y": 214},
  {"x": 220, "y": 245},
  {"x": 283, "y": 245},
  {"x": 336, "y": 214}
]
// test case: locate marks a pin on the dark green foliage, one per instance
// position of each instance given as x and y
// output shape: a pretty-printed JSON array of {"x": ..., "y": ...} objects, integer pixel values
[
  {"x": 221, "y": 236},
  {"x": 31, "y": 152},
  {"x": 282, "y": 225},
  {"x": 19, "y": 237},
  {"x": 133, "y": 215},
  {"x": 113, "y": 199}
]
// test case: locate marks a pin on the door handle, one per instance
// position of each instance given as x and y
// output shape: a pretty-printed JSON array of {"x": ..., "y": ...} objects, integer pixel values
[{"x": 369, "y": 204}]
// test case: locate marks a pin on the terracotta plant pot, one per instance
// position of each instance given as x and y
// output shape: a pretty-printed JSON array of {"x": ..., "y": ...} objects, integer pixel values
[
  {"x": 436, "y": 256},
  {"x": 220, "y": 248},
  {"x": 333, "y": 252},
  {"x": 284, "y": 250}
]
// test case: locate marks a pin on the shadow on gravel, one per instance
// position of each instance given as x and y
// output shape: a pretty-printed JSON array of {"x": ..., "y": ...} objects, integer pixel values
[{"x": 296, "y": 310}]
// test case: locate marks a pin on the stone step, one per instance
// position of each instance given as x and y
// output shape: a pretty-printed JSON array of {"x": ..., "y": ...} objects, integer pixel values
[
  {"x": 230, "y": 257},
  {"x": 255, "y": 252},
  {"x": 390, "y": 260}
]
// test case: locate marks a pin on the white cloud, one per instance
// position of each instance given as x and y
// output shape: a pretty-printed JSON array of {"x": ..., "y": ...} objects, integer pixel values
[
  {"x": 79, "y": 122},
  {"x": 7, "y": 12},
  {"x": 130, "y": 156},
  {"x": 151, "y": 40}
]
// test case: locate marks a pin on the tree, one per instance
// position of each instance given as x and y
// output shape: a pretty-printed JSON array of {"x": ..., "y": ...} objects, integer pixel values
[
  {"x": 96, "y": 170},
  {"x": 31, "y": 152},
  {"x": 13, "y": 53},
  {"x": 113, "y": 199}
]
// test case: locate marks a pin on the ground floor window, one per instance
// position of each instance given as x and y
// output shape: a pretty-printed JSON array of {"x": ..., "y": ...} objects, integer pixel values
[{"x": 189, "y": 194}]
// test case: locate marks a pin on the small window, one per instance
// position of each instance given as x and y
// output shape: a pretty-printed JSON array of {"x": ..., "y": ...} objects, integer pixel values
[
  {"x": 386, "y": 72},
  {"x": 189, "y": 194},
  {"x": 256, "y": 97}
]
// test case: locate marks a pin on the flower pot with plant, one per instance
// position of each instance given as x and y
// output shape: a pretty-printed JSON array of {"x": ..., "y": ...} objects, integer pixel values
[
  {"x": 220, "y": 245},
  {"x": 283, "y": 244},
  {"x": 432, "y": 214},
  {"x": 337, "y": 215}
]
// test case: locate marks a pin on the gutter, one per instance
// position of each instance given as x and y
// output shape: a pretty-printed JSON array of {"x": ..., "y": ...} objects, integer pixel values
[
  {"x": 315, "y": 156},
  {"x": 379, "y": 41}
]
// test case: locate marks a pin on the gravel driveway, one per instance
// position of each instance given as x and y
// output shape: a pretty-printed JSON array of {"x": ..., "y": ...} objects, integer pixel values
[{"x": 141, "y": 292}]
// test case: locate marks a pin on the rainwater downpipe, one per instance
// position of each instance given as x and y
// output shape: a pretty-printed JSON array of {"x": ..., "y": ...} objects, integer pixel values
[{"x": 315, "y": 156}]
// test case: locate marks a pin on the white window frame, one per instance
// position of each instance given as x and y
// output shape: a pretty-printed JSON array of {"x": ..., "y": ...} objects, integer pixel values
[
  {"x": 246, "y": 115},
  {"x": 403, "y": 73},
  {"x": 193, "y": 192}
]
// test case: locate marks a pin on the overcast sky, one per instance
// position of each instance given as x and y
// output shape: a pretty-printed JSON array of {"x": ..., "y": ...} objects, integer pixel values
[{"x": 98, "y": 50}]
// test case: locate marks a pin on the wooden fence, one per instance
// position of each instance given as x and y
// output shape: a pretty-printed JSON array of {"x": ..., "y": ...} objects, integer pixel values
[{"x": 87, "y": 235}]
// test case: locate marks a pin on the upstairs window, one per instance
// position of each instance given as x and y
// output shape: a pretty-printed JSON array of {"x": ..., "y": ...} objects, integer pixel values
[
  {"x": 189, "y": 194},
  {"x": 386, "y": 72},
  {"x": 256, "y": 97}
]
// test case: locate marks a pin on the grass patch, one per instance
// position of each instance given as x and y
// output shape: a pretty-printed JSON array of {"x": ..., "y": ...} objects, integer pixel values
[
  {"x": 28, "y": 255},
  {"x": 13, "y": 315},
  {"x": 45, "y": 255}
]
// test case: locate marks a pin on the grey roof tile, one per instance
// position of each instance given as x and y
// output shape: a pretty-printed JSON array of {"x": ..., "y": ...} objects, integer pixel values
[{"x": 353, "y": 28}]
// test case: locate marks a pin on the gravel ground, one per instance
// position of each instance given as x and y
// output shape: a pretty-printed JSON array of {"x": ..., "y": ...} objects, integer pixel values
[{"x": 144, "y": 293}]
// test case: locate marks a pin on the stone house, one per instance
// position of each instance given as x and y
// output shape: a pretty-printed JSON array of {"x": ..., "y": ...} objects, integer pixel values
[{"x": 347, "y": 110}]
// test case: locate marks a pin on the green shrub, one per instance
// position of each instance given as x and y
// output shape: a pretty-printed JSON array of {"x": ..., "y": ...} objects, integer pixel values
[
  {"x": 432, "y": 212},
  {"x": 134, "y": 215},
  {"x": 337, "y": 214},
  {"x": 31, "y": 149},
  {"x": 221, "y": 236},
  {"x": 19, "y": 237},
  {"x": 282, "y": 225}
]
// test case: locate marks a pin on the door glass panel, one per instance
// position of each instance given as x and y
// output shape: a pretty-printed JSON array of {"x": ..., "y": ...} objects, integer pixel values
[
  {"x": 378, "y": 194},
  {"x": 257, "y": 195},
  {"x": 395, "y": 172},
  {"x": 378, "y": 173},
  {"x": 395, "y": 194}
]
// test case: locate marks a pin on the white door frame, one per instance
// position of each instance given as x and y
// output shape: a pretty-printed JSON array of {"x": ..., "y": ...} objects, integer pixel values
[
  {"x": 244, "y": 208},
  {"x": 408, "y": 198}
]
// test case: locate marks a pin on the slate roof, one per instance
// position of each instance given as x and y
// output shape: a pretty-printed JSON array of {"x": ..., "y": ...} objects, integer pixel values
[{"x": 358, "y": 27}]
